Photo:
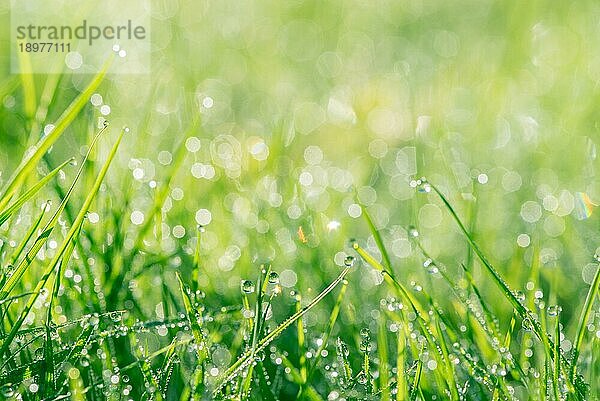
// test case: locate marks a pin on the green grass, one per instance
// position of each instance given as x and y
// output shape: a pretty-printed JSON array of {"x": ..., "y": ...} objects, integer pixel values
[{"x": 276, "y": 242}]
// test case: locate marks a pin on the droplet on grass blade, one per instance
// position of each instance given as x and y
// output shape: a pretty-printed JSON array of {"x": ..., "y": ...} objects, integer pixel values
[
  {"x": 520, "y": 295},
  {"x": 413, "y": 232},
  {"x": 430, "y": 265},
  {"x": 554, "y": 310},
  {"x": 421, "y": 185},
  {"x": 349, "y": 261},
  {"x": 247, "y": 286}
]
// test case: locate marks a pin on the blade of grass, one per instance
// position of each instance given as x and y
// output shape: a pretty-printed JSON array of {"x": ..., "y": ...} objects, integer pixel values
[
  {"x": 20, "y": 269},
  {"x": 28, "y": 164},
  {"x": 382, "y": 349},
  {"x": 583, "y": 318},
  {"x": 377, "y": 237},
  {"x": 27, "y": 84},
  {"x": 193, "y": 318},
  {"x": 246, "y": 358},
  {"x": 257, "y": 329},
  {"x": 6, "y": 213},
  {"x": 523, "y": 312},
  {"x": 17, "y": 253},
  {"x": 401, "y": 382},
  {"x": 61, "y": 251},
  {"x": 332, "y": 319}
]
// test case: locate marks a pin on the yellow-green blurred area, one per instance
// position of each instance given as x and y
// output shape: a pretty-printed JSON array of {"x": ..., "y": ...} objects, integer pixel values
[{"x": 309, "y": 109}]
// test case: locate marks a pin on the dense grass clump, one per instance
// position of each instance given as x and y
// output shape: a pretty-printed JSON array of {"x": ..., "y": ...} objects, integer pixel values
[
  {"x": 342, "y": 201},
  {"x": 93, "y": 337}
]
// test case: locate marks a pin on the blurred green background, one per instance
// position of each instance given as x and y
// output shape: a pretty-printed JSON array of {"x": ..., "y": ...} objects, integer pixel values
[{"x": 308, "y": 108}]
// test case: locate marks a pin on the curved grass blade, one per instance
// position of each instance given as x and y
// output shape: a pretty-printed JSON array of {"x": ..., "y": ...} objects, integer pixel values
[
  {"x": 332, "y": 319},
  {"x": 523, "y": 312},
  {"x": 417, "y": 382},
  {"x": 5, "y": 214},
  {"x": 17, "y": 253},
  {"x": 377, "y": 237},
  {"x": 391, "y": 280},
  {"x": 257, "y": 329},
  {"x": 246, "y": 358},
  {"x": 12, "y": 281},
  {"x": 193, "y": 318},
  {"x": 166, "y": 370},
  {"x": 28, "y": 164},
  {"x": 61, "y": 251}
]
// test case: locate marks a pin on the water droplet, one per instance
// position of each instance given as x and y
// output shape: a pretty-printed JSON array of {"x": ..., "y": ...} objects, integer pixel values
[
  {"x": 247, "y": 286},
  {"x": 39, "y": 354},
  {"x": 115, "y": 316},
  {"x": 527, "y": 324},
  {"x": 201, "y": 228},
  {"x": 365, "y": 345},
  {"x": 413, "y": 232},
  {"x": 349, "y": 261},
  {"x": 430, "y": 265},
  {"x": 421, "y": 184},
  {"x": 273, "y": 278},
  {"x": 520, "y": 295},
  {"x": 554, "y": 310},
  {"x": 7, "y": 390},
  {"x": 259, "y": 356},
  {"x": 342, "y": 348},
  {"x": 365, "y": 332},
  {"x": 94, "y": 319}
]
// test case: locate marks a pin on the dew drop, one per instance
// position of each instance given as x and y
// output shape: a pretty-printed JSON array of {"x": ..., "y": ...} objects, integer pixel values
[
  {"x": 413, "y": 232},
  {"x": 554, "y": 310},
  {"x": 349, "y": 261},
  {"x": 430, "y": 265},
  {"x": 39, "y": 354},
  {"x": 247, "y": 286},
  {"x": 7, "y": 390},
  {"x": 421, "y": 184},
  {"x": 273, "y": 278}
]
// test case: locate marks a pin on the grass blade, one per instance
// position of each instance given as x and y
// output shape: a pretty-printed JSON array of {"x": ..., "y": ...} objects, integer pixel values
[
  {"x": 377, "y": 237},
  {"x": 28, "y": 164},
  {"x": 246, "y": 358},
  {"x": 584, "y": 317},
  {"x": 61, "y": 251},
  {"x": 20, "y": 269},
  {"x": 5, "y": 214},
  {"x": 193, "y": 317}
]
